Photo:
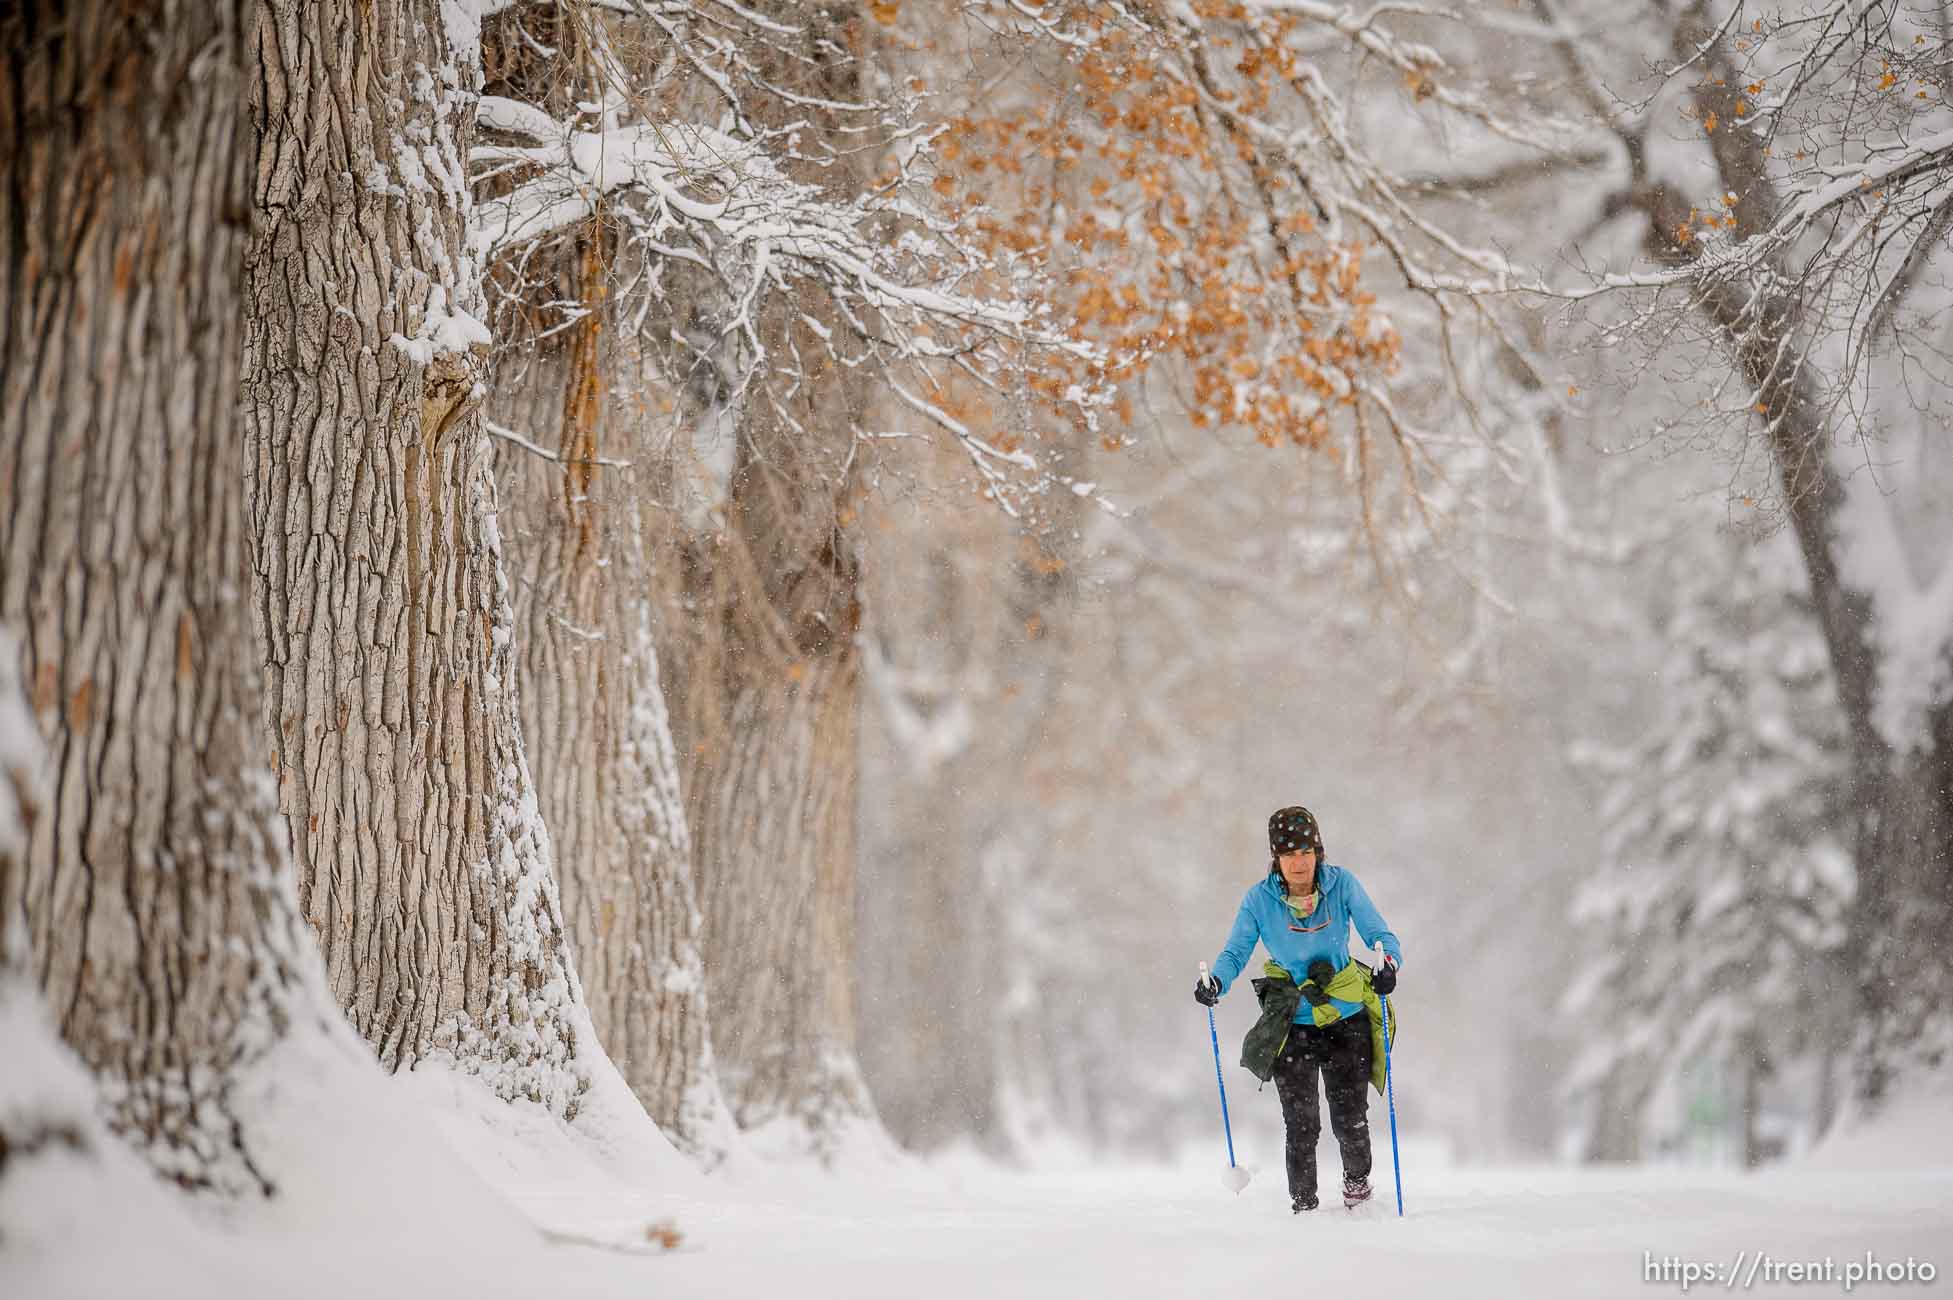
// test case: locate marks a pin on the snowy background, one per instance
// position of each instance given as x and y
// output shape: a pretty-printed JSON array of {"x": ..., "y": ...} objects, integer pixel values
[
  {"x": 424, "y": 1187},
  {"x": 916, "y": 485}
]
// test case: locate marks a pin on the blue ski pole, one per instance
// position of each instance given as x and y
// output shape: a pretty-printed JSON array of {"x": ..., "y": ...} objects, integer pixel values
[
  {"x": 1234, "y": 1171},
  {"x": 1390, "y": 1092}
]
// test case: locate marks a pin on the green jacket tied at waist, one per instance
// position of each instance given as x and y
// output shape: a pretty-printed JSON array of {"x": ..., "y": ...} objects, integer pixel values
[{"x": 1280, "y": 998}]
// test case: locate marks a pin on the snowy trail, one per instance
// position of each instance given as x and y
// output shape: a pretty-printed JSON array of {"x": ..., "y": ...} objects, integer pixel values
[
  {"x": 1156, "y": 1232},
  {"x": 441, "y": 1191},
  {"x": 966, "y": 1232}
]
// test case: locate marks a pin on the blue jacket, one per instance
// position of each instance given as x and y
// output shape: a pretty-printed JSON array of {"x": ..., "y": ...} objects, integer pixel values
[{"x": 1264, "y": 916}]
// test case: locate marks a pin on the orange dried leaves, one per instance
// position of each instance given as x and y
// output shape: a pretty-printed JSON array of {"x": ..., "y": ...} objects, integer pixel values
[{"x": 1170, "y": 240}]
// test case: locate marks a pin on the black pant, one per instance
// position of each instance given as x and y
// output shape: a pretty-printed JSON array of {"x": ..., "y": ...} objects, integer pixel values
[{"x": 1340, "y": 1053}]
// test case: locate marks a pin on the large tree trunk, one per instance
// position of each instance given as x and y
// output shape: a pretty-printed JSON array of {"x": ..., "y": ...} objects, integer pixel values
[
  {"x": 769, "y": 737},
  {"x": 1905, "y": 906},
  {"x": 765, "y": 670},
  {"x": 379, "y": 591},
  {"x": 152, "y": 902},
  {"x": 593, "y": 707}
]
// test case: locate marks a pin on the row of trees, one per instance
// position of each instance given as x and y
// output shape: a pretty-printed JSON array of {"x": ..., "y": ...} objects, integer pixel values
[{"x": 399, "y": 266}]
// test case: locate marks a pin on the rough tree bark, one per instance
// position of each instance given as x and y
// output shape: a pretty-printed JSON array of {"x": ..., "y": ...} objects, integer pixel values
[
  {"x": 592, "y": 702},
  {"x": 771, "y": 703},
  {"x": 379, "y": 593},
  {"x": 152, "y": 901},
  {"x": 594, "y": 716},
  {"x": 766, "y": 712}
]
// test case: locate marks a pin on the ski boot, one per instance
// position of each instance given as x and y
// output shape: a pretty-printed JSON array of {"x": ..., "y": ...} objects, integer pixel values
[{"x": 1355, "y": 1192}]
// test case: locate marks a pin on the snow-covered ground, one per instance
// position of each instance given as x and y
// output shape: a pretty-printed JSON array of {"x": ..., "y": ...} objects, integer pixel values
[
  {"x": 454, "y": 1194},
  {"x": 1160, "y": 1233}
]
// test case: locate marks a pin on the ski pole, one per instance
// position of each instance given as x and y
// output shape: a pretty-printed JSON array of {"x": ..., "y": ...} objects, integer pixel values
[
  {"x": 1390, "y": 1093},
  {"x": 1215, "y": 1036}
]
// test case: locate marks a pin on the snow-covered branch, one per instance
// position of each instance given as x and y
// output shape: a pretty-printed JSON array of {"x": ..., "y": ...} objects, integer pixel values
[{"x": 733, "y": 224}]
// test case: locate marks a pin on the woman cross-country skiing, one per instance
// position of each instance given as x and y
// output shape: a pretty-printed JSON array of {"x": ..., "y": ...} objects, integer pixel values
[{"x": 1319, "y": 1009}]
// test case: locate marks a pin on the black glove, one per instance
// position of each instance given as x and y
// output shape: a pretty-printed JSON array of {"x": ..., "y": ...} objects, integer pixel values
[
  {"x": 1384, "y": 978},
  {"x": 1315, "y": 988},
  {"x": 1207, "y": 991}
]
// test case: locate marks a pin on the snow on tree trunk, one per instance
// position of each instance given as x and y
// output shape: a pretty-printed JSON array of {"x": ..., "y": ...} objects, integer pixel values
[
  {"x": 148, "y": 897},
  {"x": 379, "y": 596},
  {"x": 46, "y": 1103},
  {"x": 593, "y": 708}
]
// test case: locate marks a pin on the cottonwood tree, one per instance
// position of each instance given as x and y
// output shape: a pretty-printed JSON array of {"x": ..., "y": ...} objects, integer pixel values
[
  {"x": 764, "y": 288},
  {"x": 379, "y": 594},
  {"x": 575, "y": 455},
  {"x": 144, "y": 878},
  {"x": 1225, "y": 202},
  {"x": 768, "y": 690}
]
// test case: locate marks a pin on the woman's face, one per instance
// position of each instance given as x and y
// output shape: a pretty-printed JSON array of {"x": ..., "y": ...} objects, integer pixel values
[{"x": 1299, "y": 870}]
